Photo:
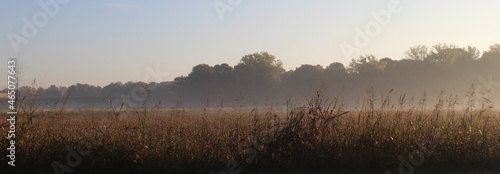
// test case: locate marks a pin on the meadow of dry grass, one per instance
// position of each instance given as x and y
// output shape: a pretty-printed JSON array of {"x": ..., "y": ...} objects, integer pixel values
[{"x": 322, "y": 136}]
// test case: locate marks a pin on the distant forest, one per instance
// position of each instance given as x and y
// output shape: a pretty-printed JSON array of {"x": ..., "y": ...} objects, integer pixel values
[{"x": 260, "y": 77}]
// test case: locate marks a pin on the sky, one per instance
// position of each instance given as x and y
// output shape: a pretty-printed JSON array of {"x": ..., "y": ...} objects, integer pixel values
[{"x": 99, "y": 42}]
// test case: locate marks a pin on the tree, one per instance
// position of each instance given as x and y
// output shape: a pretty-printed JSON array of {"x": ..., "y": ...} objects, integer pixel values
[
  {"x": 366, "y": 64},
  {"x": 223, "y": 69},
  {"x": 84, "y": 90},
  {"x": 419, "y": 52},
  {"x": 449, "y": 54},
  {"x": 303, "y": 80},
  {"x": 308, "y": 74},
  {"x": 493, "y": 53},
  {"x": 223, "y": 78},
  {"x": 113, "y": 90},
  {"x": 201, "y": 72},
  {"x": 336, "y": 68},
  {"x": 53, "y": 91},
  {"x": 259, "y": 68}
]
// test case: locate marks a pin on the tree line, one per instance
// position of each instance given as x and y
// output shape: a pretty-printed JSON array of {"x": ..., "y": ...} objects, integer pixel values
[{"x": 261, "y": 76}]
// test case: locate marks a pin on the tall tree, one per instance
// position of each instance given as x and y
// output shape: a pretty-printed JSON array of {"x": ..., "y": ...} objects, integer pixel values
[
  {"x": 419, "y": 52},
  {"x": 492, "y": 53},
  {"x": 336, "y": 68},
  {"x": 53, "y": 91},
  {"x": 261, "y": 68},
  {"x": 366, "y": 64},
  {"x": 449, "y": 54}
]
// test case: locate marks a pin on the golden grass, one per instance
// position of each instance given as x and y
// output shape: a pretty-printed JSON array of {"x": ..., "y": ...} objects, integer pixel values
[{"x": 320, "y": 136}]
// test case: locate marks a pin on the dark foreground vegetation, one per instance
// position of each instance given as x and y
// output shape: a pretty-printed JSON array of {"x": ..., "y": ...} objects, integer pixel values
[{"x": 321, "y": 136}]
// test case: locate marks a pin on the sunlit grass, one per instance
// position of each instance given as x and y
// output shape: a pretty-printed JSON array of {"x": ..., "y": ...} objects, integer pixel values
[{"x": 322, "y": 135}]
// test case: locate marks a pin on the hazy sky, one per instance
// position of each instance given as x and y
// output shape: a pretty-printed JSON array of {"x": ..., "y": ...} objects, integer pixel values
[{"x": 98, "y": 42}]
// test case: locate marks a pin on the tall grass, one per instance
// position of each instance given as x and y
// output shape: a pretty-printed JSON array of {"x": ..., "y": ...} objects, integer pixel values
[{"x": 321, "y": 136}]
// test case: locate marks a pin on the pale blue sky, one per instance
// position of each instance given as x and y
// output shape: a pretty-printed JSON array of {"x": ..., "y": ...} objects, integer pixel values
[{"x": 98, "y": 42}]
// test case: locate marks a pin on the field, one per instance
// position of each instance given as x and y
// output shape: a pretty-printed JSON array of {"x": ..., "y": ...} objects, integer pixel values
[{"x": 321, "y": 136}]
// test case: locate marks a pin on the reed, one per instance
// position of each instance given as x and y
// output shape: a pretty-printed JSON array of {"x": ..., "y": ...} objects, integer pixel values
[{"x": 322, "y": 135}]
